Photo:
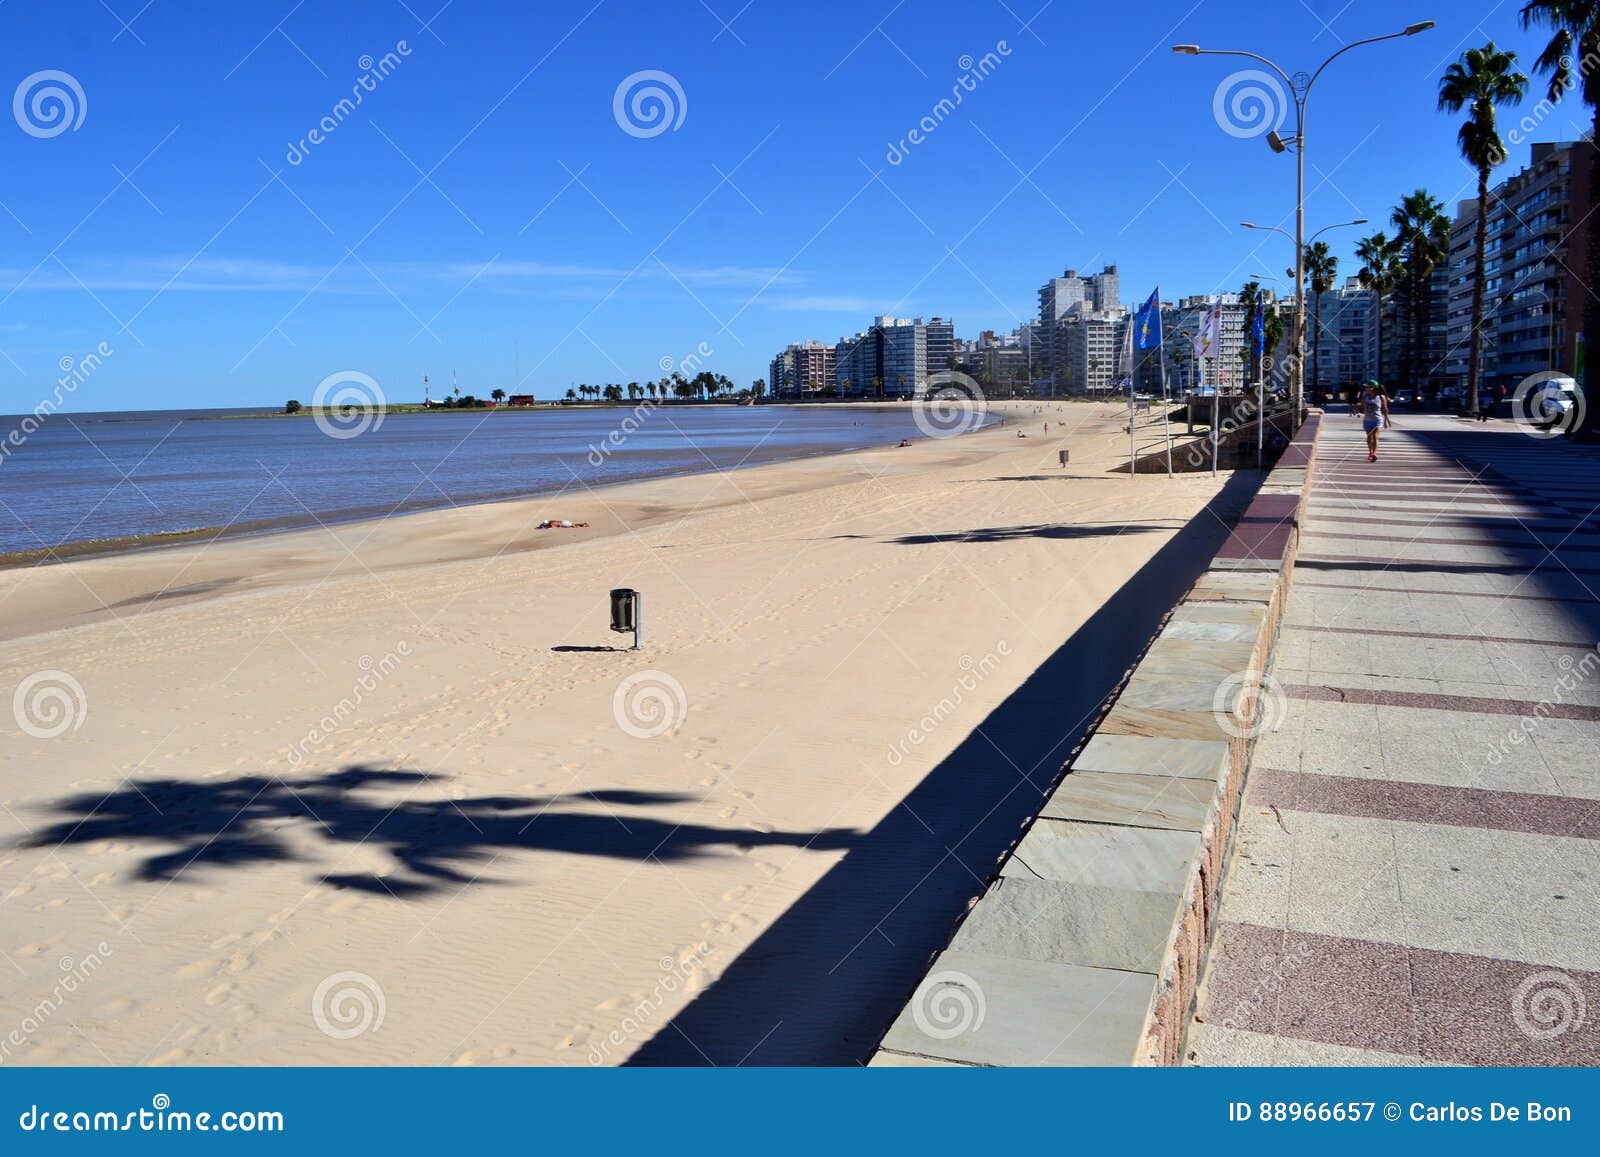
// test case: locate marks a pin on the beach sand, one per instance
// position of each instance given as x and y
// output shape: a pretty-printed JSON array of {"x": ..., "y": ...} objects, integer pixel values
[{"x": 379, "y": 794}]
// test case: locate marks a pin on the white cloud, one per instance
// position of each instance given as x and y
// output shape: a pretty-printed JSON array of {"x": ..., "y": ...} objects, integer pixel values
[{"x": 211, "y": 274}]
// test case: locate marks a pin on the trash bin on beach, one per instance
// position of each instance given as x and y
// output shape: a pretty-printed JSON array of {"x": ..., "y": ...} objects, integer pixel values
[
  {"x": 1063, "y": 456},
  {"x": 625, "y": 612}
]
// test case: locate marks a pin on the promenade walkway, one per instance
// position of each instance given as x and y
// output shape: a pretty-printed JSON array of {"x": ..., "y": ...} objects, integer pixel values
[{"x": 1415, "y": 875}]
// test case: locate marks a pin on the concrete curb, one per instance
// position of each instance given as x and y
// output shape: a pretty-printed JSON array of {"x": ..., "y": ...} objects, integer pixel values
[{"x": 1086, "y": 946}]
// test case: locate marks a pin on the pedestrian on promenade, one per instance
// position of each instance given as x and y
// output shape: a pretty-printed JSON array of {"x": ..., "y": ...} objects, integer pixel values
[{"x": 1374, "y": 416}]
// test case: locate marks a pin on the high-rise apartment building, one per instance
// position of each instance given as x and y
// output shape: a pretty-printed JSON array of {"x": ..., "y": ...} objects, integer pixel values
[
  {"x": 1536, "y": 247},
  {"x": 802, "y": 370},
  {"x": 1060, "y": 297},
  {"x": 894, "y": 358}
]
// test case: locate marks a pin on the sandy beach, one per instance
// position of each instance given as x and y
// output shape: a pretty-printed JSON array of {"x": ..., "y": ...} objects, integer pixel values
[{"x": 381, "y": 793}]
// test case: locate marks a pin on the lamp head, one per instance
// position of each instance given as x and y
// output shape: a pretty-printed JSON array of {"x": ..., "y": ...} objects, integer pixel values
[
  {"x": 1186, "y": 49},
  {"x": 1276, "y": 143},
  {"x": 1420, "y": 26}
]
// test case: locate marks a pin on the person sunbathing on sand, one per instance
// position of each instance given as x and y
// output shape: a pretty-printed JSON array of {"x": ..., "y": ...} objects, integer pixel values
[{"x": 560, "y": 524}]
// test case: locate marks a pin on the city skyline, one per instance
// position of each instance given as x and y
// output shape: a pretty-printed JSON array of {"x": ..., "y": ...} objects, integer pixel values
[{"x": 230, "y": 252}]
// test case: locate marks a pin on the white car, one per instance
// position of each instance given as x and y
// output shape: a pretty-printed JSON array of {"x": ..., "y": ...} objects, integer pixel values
[{"x": 1554, "y": 403}]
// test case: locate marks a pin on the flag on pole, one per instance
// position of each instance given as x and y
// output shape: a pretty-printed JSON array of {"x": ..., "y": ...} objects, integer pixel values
[
  {"x": 1261, "y": 329},
  {"x": 1147, "y": 323},
  {"x": 1208, "y": 342}
]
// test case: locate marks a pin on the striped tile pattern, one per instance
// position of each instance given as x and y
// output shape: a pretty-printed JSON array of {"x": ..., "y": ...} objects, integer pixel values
[{"x": 1413, "y": 879}]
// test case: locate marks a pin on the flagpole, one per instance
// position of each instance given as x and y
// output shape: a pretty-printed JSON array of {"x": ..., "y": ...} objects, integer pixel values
[
  {"x": 1133, "y": 456},
  {"x": 1166, "y": 397},
  {"x": 1261, "y": 391}
]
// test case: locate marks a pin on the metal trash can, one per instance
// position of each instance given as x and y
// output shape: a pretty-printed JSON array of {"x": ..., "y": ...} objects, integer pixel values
[
  {"x": 1063, "y": 456},
  {"x": 622, "y": 609},
  {"x": 625, "y": 612}
]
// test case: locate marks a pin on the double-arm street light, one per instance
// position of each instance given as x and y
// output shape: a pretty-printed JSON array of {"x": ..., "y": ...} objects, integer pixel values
[{"x": 1300, "y": 89}]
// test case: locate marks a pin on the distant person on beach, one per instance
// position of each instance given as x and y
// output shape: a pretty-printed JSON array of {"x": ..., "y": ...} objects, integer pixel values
[{"x": 1374, "y": 416}]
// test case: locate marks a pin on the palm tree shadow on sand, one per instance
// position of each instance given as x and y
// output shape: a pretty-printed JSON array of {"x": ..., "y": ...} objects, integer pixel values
[{"x": 246, "y": 820}]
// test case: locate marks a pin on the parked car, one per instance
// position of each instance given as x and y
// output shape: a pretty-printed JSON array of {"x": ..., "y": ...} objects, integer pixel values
[
  {"x": 1407, "y": 399},
  {"x": 1554, "y": 403},
  {"x": 1451, "y": 398}
]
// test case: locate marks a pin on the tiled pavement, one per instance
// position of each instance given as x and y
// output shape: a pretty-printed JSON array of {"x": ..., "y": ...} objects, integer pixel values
[{"x": 1414, "y": 872}]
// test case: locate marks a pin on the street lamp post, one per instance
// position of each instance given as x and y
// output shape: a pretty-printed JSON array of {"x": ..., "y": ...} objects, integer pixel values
[{"x": 1300, "y": 90}]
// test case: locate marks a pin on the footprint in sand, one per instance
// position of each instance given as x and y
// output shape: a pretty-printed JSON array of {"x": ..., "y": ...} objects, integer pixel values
[
  {"x": 482, "y": 1056},
  {"x": 20, "y": 890},
  {"x": 728, "y": 813},
  {"x": 172, "y": 1057},
  {"x": 735, "y": 893},
  {"x": 612, "y": 1003},
  {"x": 707, "y": 781},
  {"x": 120, "y": 1007},
  {"x": 199, "y": 968},
  {"x": 33, "y": 949},
  {"x": 762, "y": 826},
  {"x": 578, "y": 1036},
  {"x": 219, "y": 994},
  {"x": 770, "y": 871}
]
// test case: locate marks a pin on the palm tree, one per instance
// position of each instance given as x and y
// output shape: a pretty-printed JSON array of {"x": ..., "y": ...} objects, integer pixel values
[
  {"x": 1250, "y": 295},
  {"x": 1568, "y": 60},
  {"x": 497, "y": 394},
  {"x": 1322, "y": 267},
  {"x": 1482, "y": 78},
  {"x": 1424, "y": 231},
  {"x": 1380, "y": 271}
]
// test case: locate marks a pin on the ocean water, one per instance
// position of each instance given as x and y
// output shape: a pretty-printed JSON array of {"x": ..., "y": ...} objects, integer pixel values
[{"x": 113, "y": 476}]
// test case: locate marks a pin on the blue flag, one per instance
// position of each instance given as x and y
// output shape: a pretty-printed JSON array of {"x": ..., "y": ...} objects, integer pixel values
[
  {"x": 1147, "y": 323},
  {"x": 1261, "y": 329}
]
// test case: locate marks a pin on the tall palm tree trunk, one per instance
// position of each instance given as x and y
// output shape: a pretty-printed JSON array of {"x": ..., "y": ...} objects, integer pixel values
[
  {"x": 1480, "y": 241},
  {"x": 1419, "y": 292},
  {"x": 1316, "y": 344},
  {"x": 1378, "y": 305}
]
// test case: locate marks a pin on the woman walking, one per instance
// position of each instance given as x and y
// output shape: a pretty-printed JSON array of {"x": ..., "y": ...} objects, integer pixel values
[{"x": 1374, "y": 416}]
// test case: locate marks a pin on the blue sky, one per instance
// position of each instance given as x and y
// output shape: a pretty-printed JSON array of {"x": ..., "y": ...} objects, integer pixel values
[{"x": 484, "y": 209}]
